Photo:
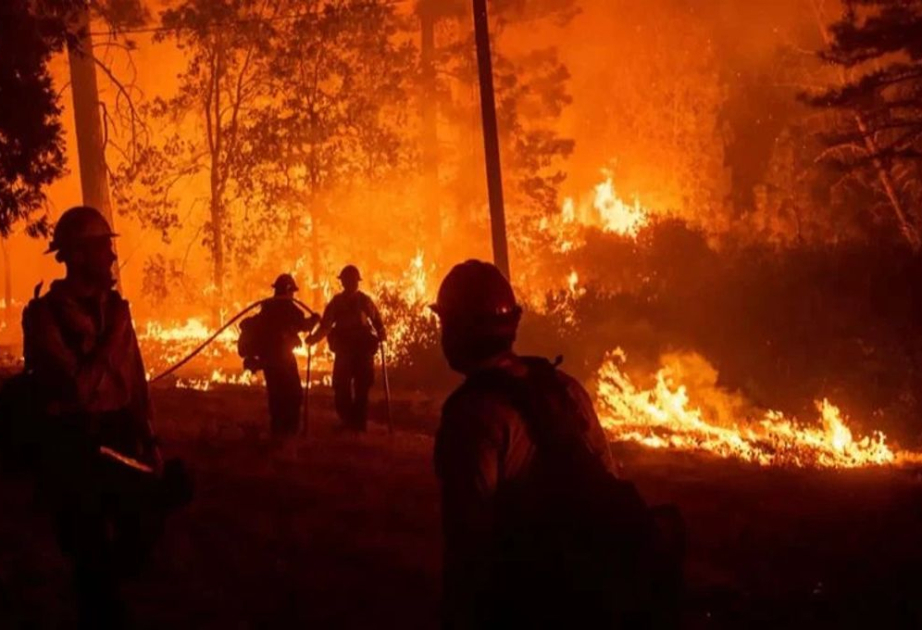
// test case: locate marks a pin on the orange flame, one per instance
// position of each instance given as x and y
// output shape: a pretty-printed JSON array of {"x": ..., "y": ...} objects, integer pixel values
[
  {"x": 165, "y": 343},
  {"x": 603, "y": 209},
  {"x": 616, "y": 215},
  {"x": 664, "y": 417}
]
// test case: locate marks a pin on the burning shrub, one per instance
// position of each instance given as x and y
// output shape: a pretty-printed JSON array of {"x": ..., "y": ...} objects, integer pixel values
[{"x": 413, "y": 334}]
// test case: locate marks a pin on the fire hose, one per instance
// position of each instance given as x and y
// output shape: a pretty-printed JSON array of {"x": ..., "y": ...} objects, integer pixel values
[
  {"x": 305, "y": 412},
  {"x": 220, "y": 330}
]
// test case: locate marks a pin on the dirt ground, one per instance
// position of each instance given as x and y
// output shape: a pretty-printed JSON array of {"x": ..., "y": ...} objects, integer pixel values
[{"x": 347, "y": 535}]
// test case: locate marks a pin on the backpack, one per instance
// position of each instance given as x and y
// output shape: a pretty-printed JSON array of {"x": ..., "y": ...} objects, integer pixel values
[
  {"x": 352, "y": 332},
  {"x": 251, "y": 343},
  {"x": 581, "y": 542}
]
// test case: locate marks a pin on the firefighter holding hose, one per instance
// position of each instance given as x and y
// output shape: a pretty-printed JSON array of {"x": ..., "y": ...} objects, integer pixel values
[
  {"x": 267, "y": 341},
  {"x": 355, "y": 331}
]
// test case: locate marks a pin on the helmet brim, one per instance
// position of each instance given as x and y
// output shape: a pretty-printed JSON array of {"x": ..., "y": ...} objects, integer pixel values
[{"x": 56, "y": 247}]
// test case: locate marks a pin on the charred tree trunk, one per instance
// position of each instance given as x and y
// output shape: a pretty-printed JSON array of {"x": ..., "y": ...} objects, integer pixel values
[
  {"x": 91, "y": 149},
  {"x": 909, "y": 231},
  {"x": 217, "y": 180},
  {"x": 217, "y": 251}
]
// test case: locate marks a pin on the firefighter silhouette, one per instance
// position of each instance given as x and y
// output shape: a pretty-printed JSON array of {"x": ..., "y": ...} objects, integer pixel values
[
  {"x": 99, "y": 469},
  {"x": 538, "y": 532},
  {"x": 267, "y": 342},
  {"x": 355, "y": 330}
]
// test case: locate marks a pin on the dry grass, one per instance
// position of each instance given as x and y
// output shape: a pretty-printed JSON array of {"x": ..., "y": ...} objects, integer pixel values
[{"x": 347, "y": 535}]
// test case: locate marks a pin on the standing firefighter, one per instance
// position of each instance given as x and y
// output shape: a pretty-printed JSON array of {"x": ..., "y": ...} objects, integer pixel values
[
  {"x": 354, "y": 326},
  {"x": 538, "y": 532},
  {"x": 267, "y": 342},
  {"x": 89, "y": 396}
]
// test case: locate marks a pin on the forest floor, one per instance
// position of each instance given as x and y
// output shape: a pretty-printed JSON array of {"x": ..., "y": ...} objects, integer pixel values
[{"x": 347, "y": 535}]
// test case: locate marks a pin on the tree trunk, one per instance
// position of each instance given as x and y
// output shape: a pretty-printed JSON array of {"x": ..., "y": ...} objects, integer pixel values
[
  {"x": 217, "y": 249},
  {"x": 217, "y": 186},
  {"x": 316, "y": 262},
  {"x": 7, "y": 287},
  {"x": 91, "y": 150},
  {"x": 910, "y": 233}
]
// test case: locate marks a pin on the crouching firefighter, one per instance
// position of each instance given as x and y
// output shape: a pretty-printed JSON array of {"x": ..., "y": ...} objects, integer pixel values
[
  {"x": 82, "y": 404},
  {"x": 267, "y": 342},
  {"x": 538, "y": 531},
  {"x": 355, "y": 328}
]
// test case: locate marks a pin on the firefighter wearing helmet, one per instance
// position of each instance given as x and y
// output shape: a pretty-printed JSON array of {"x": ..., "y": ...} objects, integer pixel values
[
  {"x": 511, "y": 442},
  {"x": 267, "y": 342},
  {"x": 355, "y": 330},
  {"x": 84, "y": 366}
]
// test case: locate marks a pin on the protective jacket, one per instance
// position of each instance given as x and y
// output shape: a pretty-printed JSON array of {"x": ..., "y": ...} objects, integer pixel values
[
  {"x": 349, "y": 320},
  {"x": 486, "y": 460},
  {"x": 82, "y": 354}
]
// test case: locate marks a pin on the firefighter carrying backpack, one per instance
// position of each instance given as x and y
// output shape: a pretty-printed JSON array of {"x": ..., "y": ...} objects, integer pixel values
[{"x": 580, "y": 529}]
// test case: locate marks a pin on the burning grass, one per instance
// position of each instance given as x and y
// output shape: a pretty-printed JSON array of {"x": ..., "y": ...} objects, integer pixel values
[
  {"x": 664, "y": 417},
  {"x": 271, "y": 542},
  {"x": 677, "y": 405}
]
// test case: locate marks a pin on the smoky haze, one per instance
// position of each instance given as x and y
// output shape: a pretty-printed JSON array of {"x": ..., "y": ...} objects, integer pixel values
[{"x": 682, "y": 102}]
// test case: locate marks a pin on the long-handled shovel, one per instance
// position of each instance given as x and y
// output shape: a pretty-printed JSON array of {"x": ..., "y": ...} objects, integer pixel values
[{"x": 387, "y": 388}]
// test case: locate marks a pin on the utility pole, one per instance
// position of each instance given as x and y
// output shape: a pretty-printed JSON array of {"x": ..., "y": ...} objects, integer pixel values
[
  {"x": 428, "y": 101},
  {"x": 491, "y": 138},
  {"x": 91, "y": 150}
]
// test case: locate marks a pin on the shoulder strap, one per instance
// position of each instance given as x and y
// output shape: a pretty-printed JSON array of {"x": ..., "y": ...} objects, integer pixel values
[{"x": 551, "y": 415}]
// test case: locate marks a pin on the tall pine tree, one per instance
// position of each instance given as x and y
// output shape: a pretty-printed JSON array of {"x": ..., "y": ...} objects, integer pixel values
[{"x": 877, "y": 44}]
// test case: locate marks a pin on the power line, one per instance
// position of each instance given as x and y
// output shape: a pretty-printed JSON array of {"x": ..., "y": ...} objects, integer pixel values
[{"x": 255, "y": 20}]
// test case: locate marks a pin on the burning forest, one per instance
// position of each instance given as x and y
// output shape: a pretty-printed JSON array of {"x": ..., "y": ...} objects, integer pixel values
[{"x": 708, "y": 212}]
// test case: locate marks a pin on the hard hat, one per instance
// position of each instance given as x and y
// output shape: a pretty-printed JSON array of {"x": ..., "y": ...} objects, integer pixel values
[
  {"x": 285, "y": 282},
  {"x": 80, "y": 223},
  {"x": 477, "y": 294},
  {"x": 350, "y": 272}
]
